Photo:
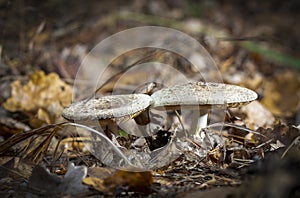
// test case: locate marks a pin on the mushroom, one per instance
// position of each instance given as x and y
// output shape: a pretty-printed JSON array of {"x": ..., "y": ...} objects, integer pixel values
[
  {"x": 108, "y": 110},
  {"x": 200, "y": 97}
]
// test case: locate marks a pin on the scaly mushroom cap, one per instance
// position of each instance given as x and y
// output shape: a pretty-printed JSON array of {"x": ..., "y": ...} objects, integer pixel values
[
  {"x": 202, "y": 94},
  {"x": 108, "y": 107}
]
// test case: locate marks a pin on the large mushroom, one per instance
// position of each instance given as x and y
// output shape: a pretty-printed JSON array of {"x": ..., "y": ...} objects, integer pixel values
[
  {"x": 108, "y": 110},
  {"x": 200, "y": 97}
]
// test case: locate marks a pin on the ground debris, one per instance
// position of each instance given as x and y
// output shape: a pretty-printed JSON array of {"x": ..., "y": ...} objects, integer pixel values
[{"x": 43, "y": 183}]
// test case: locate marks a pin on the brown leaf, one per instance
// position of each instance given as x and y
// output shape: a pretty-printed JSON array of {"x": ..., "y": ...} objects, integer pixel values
[
  {"x": 282, "y": 94},
  {"x": 96, "y": 183},
  {"x": 258, "y": 115},
  {"x": 135, "y": 181}
]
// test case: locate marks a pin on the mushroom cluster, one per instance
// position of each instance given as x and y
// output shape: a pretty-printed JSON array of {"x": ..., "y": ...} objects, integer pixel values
[{"x": 199, "y": 97}]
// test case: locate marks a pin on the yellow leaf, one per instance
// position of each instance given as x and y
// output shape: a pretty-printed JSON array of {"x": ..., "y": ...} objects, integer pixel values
[
  {"x": 46, "y": 92},
  {"x": 282, "y": 94},
  {"x": 96, "y": 183}
]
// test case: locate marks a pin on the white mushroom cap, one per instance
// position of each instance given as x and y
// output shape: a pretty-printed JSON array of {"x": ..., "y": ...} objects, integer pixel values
[
  {"x": 108, "y": 107},
  {"x": 202, "y": 94}
]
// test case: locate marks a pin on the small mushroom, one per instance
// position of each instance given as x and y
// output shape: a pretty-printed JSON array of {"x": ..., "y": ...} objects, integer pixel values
[
  {"x": 107, "y": 110},
  {"x": 202, "y": 96}
]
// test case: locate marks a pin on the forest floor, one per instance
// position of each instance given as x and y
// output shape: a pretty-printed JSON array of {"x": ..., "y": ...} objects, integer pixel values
[{"x": 253, "y": 44}]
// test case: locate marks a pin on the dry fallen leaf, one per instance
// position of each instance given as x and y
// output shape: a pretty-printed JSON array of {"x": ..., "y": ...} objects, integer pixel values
[
  {"x": 135, "y": 181},
  {"x": 45, "y": 94},
  {"x": 282, "y": 94},
  {"x": 96, "y": 183},
  {"x": 258, "y": 115}
]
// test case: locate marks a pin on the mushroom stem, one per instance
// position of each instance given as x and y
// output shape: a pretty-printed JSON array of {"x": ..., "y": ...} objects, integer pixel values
[
  {"x": 202, "y": 121},
  {"x": 199, "y": 121}
]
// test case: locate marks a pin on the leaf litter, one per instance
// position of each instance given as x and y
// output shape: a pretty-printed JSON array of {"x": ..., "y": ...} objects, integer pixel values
[
  {"x": 214, "y": 161},
  {"x": 235, "y": 147}
]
